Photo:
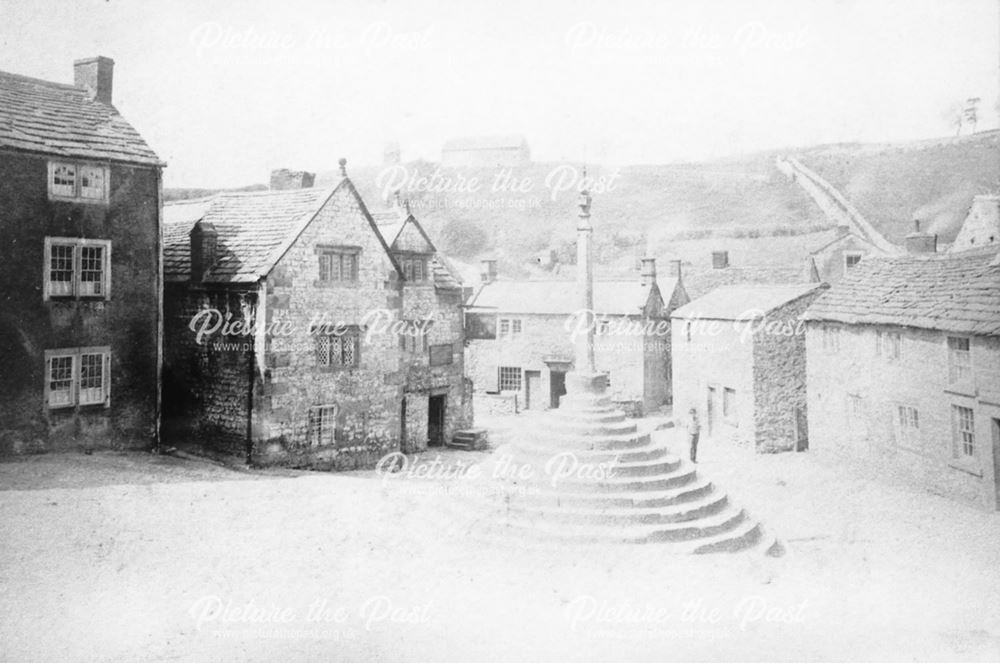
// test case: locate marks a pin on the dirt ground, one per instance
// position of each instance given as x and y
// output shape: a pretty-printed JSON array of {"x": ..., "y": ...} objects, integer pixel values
[{"x": 132, "y": 557}]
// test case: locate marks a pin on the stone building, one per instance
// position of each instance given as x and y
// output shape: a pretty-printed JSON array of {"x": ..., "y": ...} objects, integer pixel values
[
  {"x": 739, "y": 359},
  {"x": 981, "y": 226},
  {"x": 904, "y": 371},
  {"x": 485, "y": 152},
  {"x": 80, "y": 266},
  {"x": 521, "y": 333},
  {"x": 325, "y": 344}
]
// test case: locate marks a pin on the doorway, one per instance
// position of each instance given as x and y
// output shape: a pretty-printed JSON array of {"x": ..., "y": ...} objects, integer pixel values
[
  {"x": 557, "y": 387},
  {"x": 533, "y": 390},
  {"x": 435, "y": 420}
]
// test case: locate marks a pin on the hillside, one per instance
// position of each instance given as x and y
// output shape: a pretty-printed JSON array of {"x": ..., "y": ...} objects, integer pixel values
[
  {"x": 682, "y": 211},
  {"x": 932, "y": 180}
]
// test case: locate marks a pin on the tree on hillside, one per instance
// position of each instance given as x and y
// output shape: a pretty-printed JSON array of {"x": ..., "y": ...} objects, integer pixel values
[{"x": 971, "y": 112}]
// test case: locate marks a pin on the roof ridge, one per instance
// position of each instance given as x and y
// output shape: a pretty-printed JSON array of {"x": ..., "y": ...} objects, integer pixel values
[{"x": 43, "y": 81}]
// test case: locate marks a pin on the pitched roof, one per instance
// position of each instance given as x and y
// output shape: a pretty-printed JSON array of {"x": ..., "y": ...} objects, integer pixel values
[
  {"x": 254, "y": 229},
  {"x": 558, "y": 296},
  {"x": 58, "y": 119},
  {"x": 484, "y": 143},
  {"x": 959, "y": 293},
  {"x": 744, "y": 302}
]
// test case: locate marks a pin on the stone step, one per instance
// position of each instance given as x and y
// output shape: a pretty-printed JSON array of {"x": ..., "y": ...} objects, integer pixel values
[
  {"x": 526, "y": 451},
  {"x": 585, "y": 428},
  {"x": 697, "y": 510},
  {"x": 711, "y": 531},
  {"x": 646, "y": 499},
  {"x": 569, "y": 441}
]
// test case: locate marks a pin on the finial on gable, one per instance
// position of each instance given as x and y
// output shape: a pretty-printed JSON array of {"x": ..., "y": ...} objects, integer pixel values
[{"x": 343, "y": 167}]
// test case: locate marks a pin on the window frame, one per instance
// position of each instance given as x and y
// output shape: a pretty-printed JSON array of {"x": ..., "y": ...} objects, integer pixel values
[
  {"x": 959, "y": 372},
  {"x": 77, "y": 195},
  {"x": 729, "y": 409},
  {"x": 77, "y": 244},
  {"x": 906, "y": 425},
  {"x": 514, "y": 325},
  {"x": 335, "y": 254},
  {"x": 76, "y": 356},
  {"x": 888, "y": 344},
  {"x": 325, "y": 335},
  {"x": 831, "y": 339},
  {"x": 316, "y": 434},
  {"x": 852, "y": 254},
  {"x": 962, "y": 437},
  {"x": 439, "y": 348},
  {"x": 518, "y": 378}
]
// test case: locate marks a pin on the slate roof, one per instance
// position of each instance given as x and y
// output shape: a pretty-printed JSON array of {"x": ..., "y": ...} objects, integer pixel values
[
  {"x": 558, "y": 296},
  {"x": 484, "y": 143},
  {"x": 959, "y": 293},
  {"x": 53, "y": 118},
  {"x": 744, "y": 302},
  {"x": 254, "y": 229}
]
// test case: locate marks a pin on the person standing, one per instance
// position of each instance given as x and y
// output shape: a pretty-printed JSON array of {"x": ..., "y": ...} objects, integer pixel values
[{"x": 694, "y": 431}]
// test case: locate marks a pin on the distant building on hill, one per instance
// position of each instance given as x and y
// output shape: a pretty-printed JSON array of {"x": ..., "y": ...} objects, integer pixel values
[
  {"x": 982, "y": 225},
  {"x": 485, "y": 152}
]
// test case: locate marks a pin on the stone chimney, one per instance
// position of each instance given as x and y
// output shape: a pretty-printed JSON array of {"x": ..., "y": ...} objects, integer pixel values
[
  {"x": 648, "y": 271},
  {"x": 488, "y": 271},
  {"x": 283, "y": 178},
  {"x": 920, "y": 242},
  {"x": 95, "y": 75},
  {"x": 720, "y": 259},
  {"x": 204, "y": 249},
  {"x": 677, "y": 269}
]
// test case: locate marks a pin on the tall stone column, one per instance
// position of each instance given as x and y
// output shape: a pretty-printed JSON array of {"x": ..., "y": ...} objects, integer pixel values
[{"x": 584, "y": 382}]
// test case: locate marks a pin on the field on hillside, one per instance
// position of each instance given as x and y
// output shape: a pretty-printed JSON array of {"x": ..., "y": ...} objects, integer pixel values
[{"x": 933, "y": 180}]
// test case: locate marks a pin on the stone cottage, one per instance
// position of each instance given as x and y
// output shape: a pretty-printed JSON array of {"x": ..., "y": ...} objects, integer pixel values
[
  {"x": 521, "y": 334},
  {"x": 904, "y": 371},
  {"x": 80, "y": 266},
  {"x": 739, "y": 360},
  {"x": 297, "y": 334}
]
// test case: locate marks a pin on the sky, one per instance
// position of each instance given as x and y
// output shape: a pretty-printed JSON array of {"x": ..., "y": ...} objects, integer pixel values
[{"x": 226, "y": 91}]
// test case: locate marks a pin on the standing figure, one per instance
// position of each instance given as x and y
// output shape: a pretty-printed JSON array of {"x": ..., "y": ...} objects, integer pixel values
[{"x": 694, "y": 430}]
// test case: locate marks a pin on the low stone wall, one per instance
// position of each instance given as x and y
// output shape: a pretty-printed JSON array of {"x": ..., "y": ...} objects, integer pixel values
[
  {"x": 631, "y": 408},
  {"x": 495, "y": 404}
]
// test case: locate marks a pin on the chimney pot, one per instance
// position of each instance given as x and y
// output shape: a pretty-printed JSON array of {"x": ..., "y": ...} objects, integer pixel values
[
  {"x": 96, "y": 76},
  {"x": 677, "y": 268},
  {"x": 648, "y": 272},
  {"x": 204, "y": 249},
  {"x": 489, "y": 271},
  {"x": 720, "y": 259},
  {"x": 283, "y": 178}
]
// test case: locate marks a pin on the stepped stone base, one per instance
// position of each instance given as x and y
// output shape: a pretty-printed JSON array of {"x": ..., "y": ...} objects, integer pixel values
[{"x": 587, "y": 475}]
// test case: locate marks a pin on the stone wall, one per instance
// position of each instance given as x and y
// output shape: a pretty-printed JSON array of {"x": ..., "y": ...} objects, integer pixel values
[
  {"x": 127, "y": 322},
  {"x": 779, "y": 375},
  {"x": 718, "y": 354},
  {"x": 854, "y": 395}
]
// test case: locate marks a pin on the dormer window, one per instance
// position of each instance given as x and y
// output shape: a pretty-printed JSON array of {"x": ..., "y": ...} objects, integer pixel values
[
  {"x": 82, "y": 182},
  {"x": 414, "y": 269}
]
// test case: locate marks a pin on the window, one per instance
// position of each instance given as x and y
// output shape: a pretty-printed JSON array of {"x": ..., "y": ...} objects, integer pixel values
[
  {"x": 77, "y": 376},
  {"x": 77, "y": 267},
  {"x": 414, "y": 269},
  {"x": 855, "y": 409},
  {"x": 510, "y": 378},
  {"x": 81, "y": 182},
  {"x": 338, "y": 264},
  {"x": 907, "y": 425},
  {"x": 964, "y": 432},
  {"x": 851, "y": 259},
  {"x": 323, "y": 425},
  {"x": 441, "y": 355},
  {"x": 413, "y": 336},
  {"x": 959, "y": 359},
  {"x": 831, "y": 339},
  {"x": 887, "y": 344},
  {"x": 338, "y": 348},
  {"x": 603, "y": 326},
  {"x": 510, "y": 327},
  {"x": 687, "y": 331},
  {"x": 729, "y": 403}
]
